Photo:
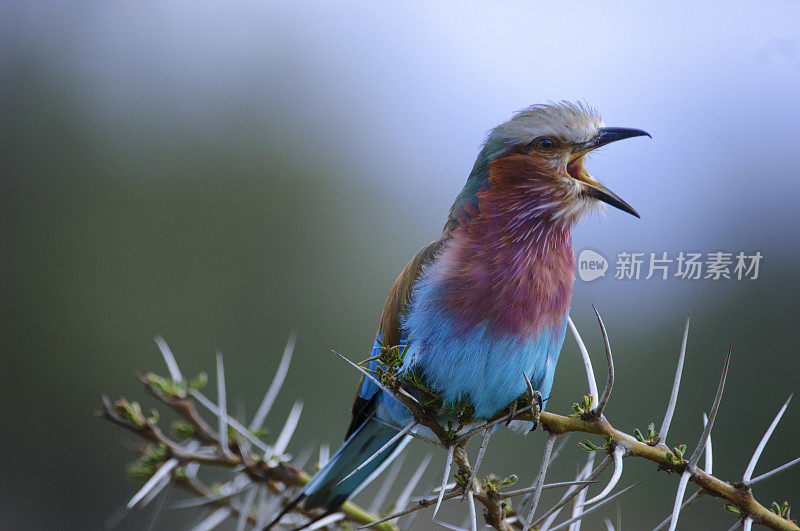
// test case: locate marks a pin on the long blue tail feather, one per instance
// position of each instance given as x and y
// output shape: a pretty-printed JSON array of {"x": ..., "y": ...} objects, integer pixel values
[{"x": 327, "y": 490}]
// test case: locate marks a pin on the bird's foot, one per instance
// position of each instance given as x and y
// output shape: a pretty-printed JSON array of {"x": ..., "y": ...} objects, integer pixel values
[
  {"x": 537, "y": 405},
  {"x": 534, "y": 399}
]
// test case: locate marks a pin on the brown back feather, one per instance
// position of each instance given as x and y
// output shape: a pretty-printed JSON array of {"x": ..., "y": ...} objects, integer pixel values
[
  {"x": 400, "y": 293},
  {"x": 396, "y": 303}
]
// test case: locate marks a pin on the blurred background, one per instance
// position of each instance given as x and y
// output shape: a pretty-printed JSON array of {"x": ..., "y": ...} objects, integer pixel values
[{"x": 224, "y": 174}]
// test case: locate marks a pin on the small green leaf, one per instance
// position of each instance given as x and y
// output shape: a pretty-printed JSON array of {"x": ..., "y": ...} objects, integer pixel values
[
  {"x": 165, "y": 386},
  {"x": 783, "y": 511},
  {"x": 652, "y": 434},
  {"x": 650, "y": 438},
  {"x": 583, "y": 407},
  {"x": 591, "y": 447},
  {"x": 676, "y": 457},
  {"x": 182, "y": 429},
  {"x": 151, "y": 459},
  {"x": 199, "y": 381},
  {"x": 733, "y": 509},
  {"x": 510, "y": 480},
  {"x": 130, "y": 411}
]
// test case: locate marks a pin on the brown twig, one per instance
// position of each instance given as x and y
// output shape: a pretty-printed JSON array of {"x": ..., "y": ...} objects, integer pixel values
[{"x": 738, "y": 495}]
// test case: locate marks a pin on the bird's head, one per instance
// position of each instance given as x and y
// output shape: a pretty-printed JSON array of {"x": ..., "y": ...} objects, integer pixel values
[{"x": 540, "y": 151}]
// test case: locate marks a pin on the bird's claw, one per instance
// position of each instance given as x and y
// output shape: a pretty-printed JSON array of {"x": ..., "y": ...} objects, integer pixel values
[
  {"x": 536, "y": 402},
  {"x": 512, "y": 410},
  {"x": 529, "y": 398},
  {"x": 534, "y": 398}
]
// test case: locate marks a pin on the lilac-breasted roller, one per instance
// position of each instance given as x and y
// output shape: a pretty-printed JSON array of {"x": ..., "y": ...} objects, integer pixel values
[{"x": 489, "y": 299}]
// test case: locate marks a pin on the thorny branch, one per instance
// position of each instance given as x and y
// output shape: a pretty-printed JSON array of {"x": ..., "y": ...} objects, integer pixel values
[
  {"x": 178, "y": 461},
  {"x": 271, "y": 474}
]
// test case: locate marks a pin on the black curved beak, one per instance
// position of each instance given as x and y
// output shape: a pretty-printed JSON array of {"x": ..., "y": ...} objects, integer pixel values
[
  {"x": 612, "y": 134},
  {"x": 606, "y": 135},
  {"x": 598, "y": 191}
]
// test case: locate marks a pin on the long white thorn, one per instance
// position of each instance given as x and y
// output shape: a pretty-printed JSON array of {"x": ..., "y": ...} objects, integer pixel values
[
  {"x": 609, "y": 525},
  {"x": 374, "y": 380},
  {"x": 244, "y": 512},
  {"x": 388, "y": 482},
  {"x": 192, "y": 468},
  {"x": 445, "y": 477},
  {"x": 619, "y": 452},
  {"x": 587, "y": 361},
  {"x": 737, "y": 525},
  {"x": 550, "y": 519},
  {"x": 282, "y": 442},
  {"x": 324, "y": 456},
  {"x": 747, "y": 525},
  {"x": 222, "y": 404},
  {"x": 229, "y": 492},
  {"x": 213, "y": 520},
  {"x": 676, "y": 384},
  {"x": 690, "y": 500},
  {"x": 487, "y": 434},
  {"x": 304, "y": 455},
  {"x": 275, "y": 386},
  {"x": 448, "y": 526},
  {"x": 557, "y": 451},
  {"x": 548, "y": 449},
  {"x": 751, "y": 466},
  {"x": 774, "y": 471},
  {"x": 711, "y": 416},
  {"x": 676, "y": 507},
  {"x": 244, "y": 444},
  {"x": 447, "y": 488},
  {"x": 709, "y": 454},
  {"x": 212, "y": 407},
  {"x": 569, "y": 495},
  {"x": 263, "y": 505},
  {"x": 553, "y": 457},
  {"x": 163, "y": 493},
  {"x": 155, "y": 492},
  {"x": 405, "y": 495},
  {"x": 473, "y": 518},
  {"x": 407, "y": 394},
  {"x": 610, "y": 360},
  {"x": 546, "y": 486},
  {"x": 591, "y": 509},
  {"x": 399, "y": 435},
  {"x": 580, "y": 499},
  {"x": 169, "y": 359},
  {"x": 151, "y": 483}
]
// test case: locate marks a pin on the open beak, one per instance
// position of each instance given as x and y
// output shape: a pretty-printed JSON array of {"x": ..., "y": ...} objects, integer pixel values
[{"x": 576, "y": 170}]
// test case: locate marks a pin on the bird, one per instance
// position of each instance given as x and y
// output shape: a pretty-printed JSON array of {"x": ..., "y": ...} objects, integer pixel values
[{"x": 489, "y": 299}]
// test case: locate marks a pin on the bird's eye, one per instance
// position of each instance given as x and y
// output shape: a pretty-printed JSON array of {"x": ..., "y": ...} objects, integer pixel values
[{"x": 544, "y": 144}]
